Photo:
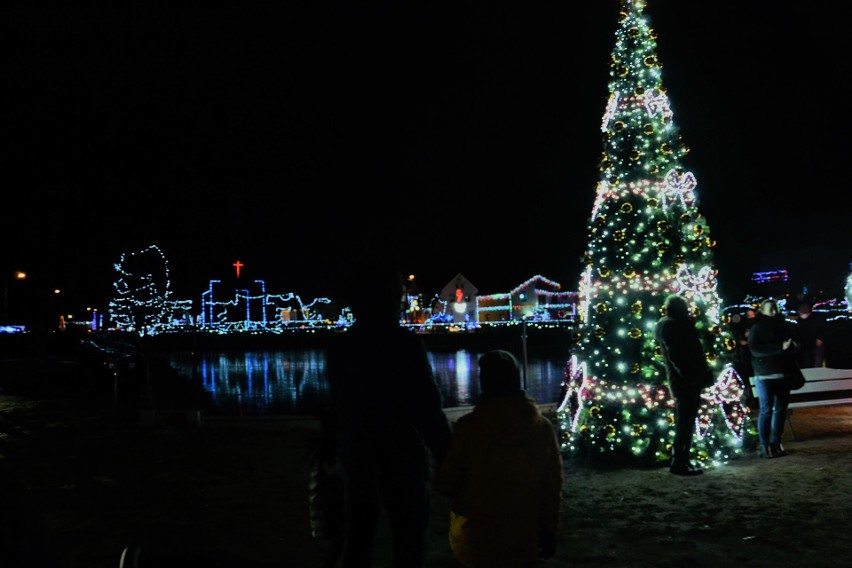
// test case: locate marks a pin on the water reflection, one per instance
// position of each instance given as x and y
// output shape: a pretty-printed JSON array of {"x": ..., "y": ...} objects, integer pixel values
[{"x": 292, "y": 382}]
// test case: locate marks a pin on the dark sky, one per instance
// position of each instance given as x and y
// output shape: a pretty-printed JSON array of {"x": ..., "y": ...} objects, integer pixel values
[{"x": 461, "y": 136}]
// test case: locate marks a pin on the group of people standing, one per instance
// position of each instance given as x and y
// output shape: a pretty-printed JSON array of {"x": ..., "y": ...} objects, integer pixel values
[
  {"x": 774, "y": 344},
  {"x": 770, "y": 342},
  {"x": 767, "y": 343},
  {"x": 500, "y": 465}
]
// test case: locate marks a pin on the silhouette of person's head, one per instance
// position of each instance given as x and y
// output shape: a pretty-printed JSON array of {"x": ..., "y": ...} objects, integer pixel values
[
  {"x": 677, "y": 307},
  {"x": 499, "y": 374},
  {"x": 375, "y": 289}
]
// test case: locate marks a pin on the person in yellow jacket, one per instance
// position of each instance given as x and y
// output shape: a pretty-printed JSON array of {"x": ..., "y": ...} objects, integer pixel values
[{"x": 503, "y": 472}]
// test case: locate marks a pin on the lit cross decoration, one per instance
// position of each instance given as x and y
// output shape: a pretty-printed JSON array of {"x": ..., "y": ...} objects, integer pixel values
[
  {"x": 680, "y": 187},
  {"x": 657, "y": 103},
  {"x": 238, "y": 265}
]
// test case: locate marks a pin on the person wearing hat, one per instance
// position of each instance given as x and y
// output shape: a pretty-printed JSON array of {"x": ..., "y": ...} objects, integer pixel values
[{"x": 503, "y": 472}]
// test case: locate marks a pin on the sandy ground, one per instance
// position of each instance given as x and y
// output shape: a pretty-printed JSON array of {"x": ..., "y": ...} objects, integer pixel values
[{"x": 80, "y": 483}]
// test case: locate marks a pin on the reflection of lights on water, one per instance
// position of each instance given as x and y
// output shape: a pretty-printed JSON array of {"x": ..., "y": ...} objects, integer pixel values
[
  {"x": 458, "y": 377},
  {"x": 453, "y": 373},
  {"x": 294, "y": 382},
  {"x": 463, "y": 382},
  {"x": 259, "y": 382}
]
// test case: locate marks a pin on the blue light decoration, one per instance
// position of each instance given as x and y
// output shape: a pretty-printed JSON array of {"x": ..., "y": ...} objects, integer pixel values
[
  {"x": 143, "y": 303},
  {"x": 769, "y": 276},
  {"x": 97, "y": 320},
  {"x": 253, "y": 309},
  {"x": 142, "y": 300}
]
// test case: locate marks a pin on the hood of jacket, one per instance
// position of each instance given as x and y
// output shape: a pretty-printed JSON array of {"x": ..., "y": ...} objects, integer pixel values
[
  {"x": 505, "y": 420},
  {"x": 504, "y": 472}
]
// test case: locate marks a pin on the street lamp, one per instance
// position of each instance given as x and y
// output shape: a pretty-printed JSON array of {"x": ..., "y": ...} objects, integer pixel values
[
  {"x": 55, "y": 306},
  {"x": 18, "y": 275}
]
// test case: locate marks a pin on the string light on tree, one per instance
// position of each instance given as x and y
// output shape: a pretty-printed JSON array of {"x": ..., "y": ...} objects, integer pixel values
[{"x": 848, "y": 289}]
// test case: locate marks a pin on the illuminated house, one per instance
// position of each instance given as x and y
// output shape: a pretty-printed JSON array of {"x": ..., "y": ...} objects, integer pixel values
[
  {"x": 538, "y": 298},
  {"x": 456, "y": 303}
]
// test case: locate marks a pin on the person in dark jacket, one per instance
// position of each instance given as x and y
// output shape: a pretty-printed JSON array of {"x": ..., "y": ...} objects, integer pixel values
[
  {"x": 503, "y": 473},
  {"x": 325, "y": 488},
  {"x": 740, "y": 324},
  {"x": 688, "y": 375},
  {"x": 770, "y": 340},
  {"x": 809, "y": 336},
  {"x": 392, "y": 430}
]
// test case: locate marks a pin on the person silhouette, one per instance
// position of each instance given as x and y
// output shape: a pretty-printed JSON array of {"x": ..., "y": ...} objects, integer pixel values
[
  {"x": 392, "y": 430},
  {"x": 325, "y": 488},
  {"x": 809, "y": 331},
  {"x": 770, "y": 340},
  {"x": 503, "y": 473},
  {"x": 688, "y": 375}
]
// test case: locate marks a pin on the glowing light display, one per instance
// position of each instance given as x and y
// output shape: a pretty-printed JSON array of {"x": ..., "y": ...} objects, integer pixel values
[
  {"x": 646, "y": 239},
  {"x": 143, "y": 303}
]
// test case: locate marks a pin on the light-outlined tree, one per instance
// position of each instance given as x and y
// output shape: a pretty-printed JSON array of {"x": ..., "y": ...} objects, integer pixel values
[{"x": 142, "y": 290}]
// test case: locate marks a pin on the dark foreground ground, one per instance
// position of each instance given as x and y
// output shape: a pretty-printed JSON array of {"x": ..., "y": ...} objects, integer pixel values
[{"x": 81, "y": 480}]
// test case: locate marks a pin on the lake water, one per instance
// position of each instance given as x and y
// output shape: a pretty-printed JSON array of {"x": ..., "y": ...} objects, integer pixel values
[{"x": 293, "y": 382}]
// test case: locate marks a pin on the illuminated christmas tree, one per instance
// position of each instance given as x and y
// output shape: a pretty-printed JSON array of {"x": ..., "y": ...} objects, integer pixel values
[
  {"x": 848, "y": 290},
  {"x": 646, "y": 239}
]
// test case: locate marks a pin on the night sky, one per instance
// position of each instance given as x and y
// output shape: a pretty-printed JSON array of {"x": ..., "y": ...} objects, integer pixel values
[{"x": 458, "y": 136}]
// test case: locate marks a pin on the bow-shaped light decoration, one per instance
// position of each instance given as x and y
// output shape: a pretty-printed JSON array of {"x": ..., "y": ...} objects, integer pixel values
[
  {"x": 680, "y": 187},
  {"x": 726, "y": 395}
]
